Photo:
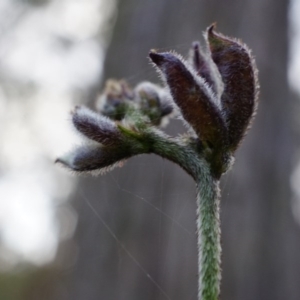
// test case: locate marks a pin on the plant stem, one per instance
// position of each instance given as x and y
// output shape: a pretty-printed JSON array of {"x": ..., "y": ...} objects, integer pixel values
[
  {"x": 208, "y": 202},
  {"x": 208, "y": 230}
]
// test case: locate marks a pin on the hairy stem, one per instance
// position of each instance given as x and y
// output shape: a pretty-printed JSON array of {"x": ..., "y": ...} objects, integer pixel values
[
  {"x": 186, "y": 154},
  {"x": 208, "y": 229},
  {"x": 208, "y": 217},
  {"x": 180, "y": 151}
]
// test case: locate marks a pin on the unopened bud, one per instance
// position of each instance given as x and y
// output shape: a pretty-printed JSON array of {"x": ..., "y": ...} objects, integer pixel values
[
  {"x": 193, "y": 97},
  {"x": 96, "y": 127},
  {"x": 153, "y": 101},
  {"x": 204, "y": 68},
  {"x": 114, "y": 100},
  {"x": 92, "y": 157},
  {"x": 239, "y": 75}
]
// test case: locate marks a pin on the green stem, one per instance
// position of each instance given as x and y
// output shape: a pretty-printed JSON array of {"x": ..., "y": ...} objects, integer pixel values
[
  {"x": 208, "y": 229},
  {"x": 188, "y": 156},
  {"x": 208, "y": 217}
]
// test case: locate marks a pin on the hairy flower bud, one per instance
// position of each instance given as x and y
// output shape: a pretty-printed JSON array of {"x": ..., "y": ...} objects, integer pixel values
[
  {"x": 96, "y": 127},
  {"x": 204, "y": 68},
  {"x": 115, "y": 99},
  {"x": 239, "y": 76},
  {"x": 93, "y": 157},
  {"x": 193, "y": 97}
]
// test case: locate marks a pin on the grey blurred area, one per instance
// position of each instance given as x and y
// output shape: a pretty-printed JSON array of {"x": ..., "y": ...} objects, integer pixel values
[{"x": 135, "y": 235}]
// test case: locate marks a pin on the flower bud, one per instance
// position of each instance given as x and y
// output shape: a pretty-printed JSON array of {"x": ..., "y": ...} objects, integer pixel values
[
  {"x": 115, "y": 99},
  {"x": 96, "y": 127},
  {"x": 153, "y": 101},
  {"x": 193, "y": 97},
  {"x": 204, "y": 68},
  {"x": 239, "y": 75},
  {"x": 93, "y": 157}
]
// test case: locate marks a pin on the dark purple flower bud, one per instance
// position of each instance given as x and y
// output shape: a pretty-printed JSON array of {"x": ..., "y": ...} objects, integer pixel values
[
  {"x": 196, "y": 101},
  {"x": 153, "y": 101},
  {"x": 204, "y": 67},
  {"x": 96, "y": 127},
  {"x": 93, "y": 157},
  {"x": 239, "y": 75}
]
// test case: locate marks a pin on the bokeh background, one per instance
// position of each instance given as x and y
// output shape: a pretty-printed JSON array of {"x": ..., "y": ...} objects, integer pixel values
[{"x": 131, "y": 233}]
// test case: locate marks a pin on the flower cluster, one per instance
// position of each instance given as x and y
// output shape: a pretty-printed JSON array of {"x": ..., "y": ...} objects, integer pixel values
[
  {"x": 215, "y": 92},
  {"x": 149, "y": 99}
]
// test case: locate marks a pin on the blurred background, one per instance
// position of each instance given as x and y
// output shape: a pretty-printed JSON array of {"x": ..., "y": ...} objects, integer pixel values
[{"x": 130, "y": 234}]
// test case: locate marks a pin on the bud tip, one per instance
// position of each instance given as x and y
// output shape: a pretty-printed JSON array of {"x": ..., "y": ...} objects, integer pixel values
[
  {"x": 157, "y": 58},
  {"x": 212, "y": 27}
]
